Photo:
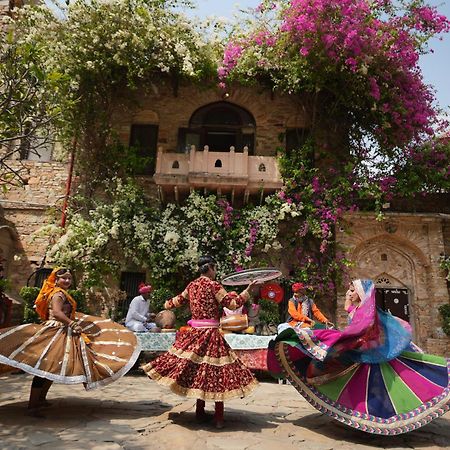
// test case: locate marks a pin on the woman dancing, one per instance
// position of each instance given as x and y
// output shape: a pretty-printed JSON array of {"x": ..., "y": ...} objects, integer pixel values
[
  {"x": 201, "y": 364},
  {"x": 369, "y": 376},
  {"x": 67, "y": 347}
]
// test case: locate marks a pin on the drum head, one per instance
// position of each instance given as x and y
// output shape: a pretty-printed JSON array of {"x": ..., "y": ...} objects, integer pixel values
[{"x": 247, "y": 276}]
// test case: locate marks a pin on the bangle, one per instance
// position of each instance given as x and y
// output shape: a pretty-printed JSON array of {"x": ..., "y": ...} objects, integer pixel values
[{"x": 73, "y": 324}]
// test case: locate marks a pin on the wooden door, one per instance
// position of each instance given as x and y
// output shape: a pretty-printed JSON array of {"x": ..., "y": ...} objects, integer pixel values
[{"x": 395, "y": 301}]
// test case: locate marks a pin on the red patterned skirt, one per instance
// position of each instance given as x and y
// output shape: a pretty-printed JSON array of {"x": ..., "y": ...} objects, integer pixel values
[{"x": 202, "y": 365}]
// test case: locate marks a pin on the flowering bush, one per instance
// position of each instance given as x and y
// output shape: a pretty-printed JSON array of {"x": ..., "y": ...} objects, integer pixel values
[
  {"x": 361, "y": 54},
  {"x": 444, "y": 264},
  {"x": 372, "y": 120},
  {"x": 123, "y": 227},
  {"x": 101, "y": 51}
]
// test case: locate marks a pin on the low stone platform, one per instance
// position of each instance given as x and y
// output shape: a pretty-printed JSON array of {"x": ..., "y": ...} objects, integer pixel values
[{"x": 135, "y": 413}]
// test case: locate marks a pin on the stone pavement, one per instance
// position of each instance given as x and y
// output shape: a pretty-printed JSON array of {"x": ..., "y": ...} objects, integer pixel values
[{"x": 135, "y": 413}]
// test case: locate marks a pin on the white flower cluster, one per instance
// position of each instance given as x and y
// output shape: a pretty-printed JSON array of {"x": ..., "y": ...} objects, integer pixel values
[
  {"x": 168, "y": 242},
  {"x": 107, "y": 40}
]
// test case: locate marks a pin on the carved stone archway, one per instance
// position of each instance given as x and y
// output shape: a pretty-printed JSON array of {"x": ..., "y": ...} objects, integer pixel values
[{"x": 401, "y": 264}]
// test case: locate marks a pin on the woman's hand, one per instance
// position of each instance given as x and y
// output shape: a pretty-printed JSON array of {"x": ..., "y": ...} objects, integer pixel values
[
  {"x": 249, "y": 288},
  {"x": 75, "y": 327}
]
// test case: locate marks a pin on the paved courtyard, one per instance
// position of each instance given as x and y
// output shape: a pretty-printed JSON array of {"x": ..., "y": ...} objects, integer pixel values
[{"x": 136, "y": 413}]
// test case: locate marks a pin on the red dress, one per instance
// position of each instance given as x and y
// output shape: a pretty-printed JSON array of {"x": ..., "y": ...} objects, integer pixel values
[{"x": 200, "y": 364}]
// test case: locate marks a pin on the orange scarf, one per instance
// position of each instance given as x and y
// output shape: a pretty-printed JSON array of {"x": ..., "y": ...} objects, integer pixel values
[{"x": 46, "y": 293}]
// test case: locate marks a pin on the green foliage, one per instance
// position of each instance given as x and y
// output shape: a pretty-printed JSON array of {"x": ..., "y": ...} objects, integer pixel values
[
  {"x": 31, "y": 100},
  {"x": 444, "y": 310},
  {"x": 159, "y": 297},
  {"x": 29, "y": 295},
  {"x": 122, "y": 227},
  {"x": 4, "y": 284},
  {"x": 444, "y": 264},
  {"x": 269, "y": 312},
  {"x": 106, "y": 51}
]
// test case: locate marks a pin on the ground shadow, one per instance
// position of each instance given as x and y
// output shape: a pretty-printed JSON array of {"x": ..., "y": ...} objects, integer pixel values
[
  {"x": 235, "y": 420},
  {"x": 70, "y": 409},
  {"x": 435, "y": 433}
]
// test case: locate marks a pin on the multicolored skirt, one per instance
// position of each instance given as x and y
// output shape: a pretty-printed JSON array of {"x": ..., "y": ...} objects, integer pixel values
[
  {"x": 385, "y": 398},
  {"x": 201, "y": 365},
  {"x": 104, "y": 352}
]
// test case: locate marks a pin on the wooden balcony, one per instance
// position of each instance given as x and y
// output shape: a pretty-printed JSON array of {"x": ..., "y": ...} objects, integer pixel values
[{"x": 235, "y": 174}]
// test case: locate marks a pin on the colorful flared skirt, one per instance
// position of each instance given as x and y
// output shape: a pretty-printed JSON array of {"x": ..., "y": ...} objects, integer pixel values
[
  {"x": 385, "y": 398},
  {"x": 104, "y": 352},
  {"x": 201, "y": 365}
]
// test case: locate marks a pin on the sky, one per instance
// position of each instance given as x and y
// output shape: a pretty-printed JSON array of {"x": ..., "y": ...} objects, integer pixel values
[{"x": 435, "y": 66}]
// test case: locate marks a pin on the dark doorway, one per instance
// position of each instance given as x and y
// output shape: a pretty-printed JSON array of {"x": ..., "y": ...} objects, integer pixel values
[
  {"x": 395, "y": 301},
  {"x": 129, "y": 282},
  {"x": 144, "y": 138},
  {"x": 219, "y": 125}
]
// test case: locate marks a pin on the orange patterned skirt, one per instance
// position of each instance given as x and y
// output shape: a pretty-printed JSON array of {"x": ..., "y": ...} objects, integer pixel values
[
  {"x": 202, "y": 365},
  {"x": 104, "y": 352}
]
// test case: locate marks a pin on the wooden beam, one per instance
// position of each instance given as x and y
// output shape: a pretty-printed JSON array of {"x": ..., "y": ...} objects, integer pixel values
[{"x": 160, "y": 194}]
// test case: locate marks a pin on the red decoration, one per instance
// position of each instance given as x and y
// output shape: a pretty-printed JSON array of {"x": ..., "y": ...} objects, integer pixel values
[
  {"x": 297, "y": 287},
  {"x": 272, "y": 291}
]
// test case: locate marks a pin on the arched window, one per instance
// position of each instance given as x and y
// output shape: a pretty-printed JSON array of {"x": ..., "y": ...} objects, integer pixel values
[
  {"x": 175, "y": 165},
  {"x": 262, "y": 167},
  {"x": 219, "y": 125},
  {"x": 218, "y": 163}
]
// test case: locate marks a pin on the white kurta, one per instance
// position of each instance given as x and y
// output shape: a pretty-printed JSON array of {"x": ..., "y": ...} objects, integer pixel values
[{"x": 136, "y": 319}]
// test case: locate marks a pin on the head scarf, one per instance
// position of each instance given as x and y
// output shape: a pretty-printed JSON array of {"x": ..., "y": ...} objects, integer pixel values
[
  {"x": 48, "y": 290},
  {"x": 363, "y": 288}
]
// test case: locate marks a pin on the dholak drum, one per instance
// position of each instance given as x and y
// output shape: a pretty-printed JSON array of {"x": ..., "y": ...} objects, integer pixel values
[{"x": 234, "y": 322}]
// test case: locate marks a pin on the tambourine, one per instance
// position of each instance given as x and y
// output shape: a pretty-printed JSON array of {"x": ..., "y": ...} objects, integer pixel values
[
  {"x": 234, "y": 322},
  {"x": 247, "y": 276}
]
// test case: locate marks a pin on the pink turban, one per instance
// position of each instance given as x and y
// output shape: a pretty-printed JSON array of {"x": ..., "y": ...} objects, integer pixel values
[{"x": 145, "y": 288}]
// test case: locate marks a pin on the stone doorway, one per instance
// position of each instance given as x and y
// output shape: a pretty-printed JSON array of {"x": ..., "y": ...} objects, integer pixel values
[{"x": 394, "y": 301}]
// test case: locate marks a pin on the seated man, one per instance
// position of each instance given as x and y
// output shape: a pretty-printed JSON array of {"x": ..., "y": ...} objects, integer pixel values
[
  {"x": 302, "y": 309},
  {"x": 139, "y": 317}
]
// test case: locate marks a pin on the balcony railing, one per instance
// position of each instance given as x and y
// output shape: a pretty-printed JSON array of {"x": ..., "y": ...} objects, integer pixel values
[{"x": 223, "y": 171}]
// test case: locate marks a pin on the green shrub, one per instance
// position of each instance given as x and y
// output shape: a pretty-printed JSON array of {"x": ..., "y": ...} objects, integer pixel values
[
  {"x": 29, "y": 295},
  {"x": 444, "y": 310},
  {"x": 269, "y": 312},
  {"x": 160, "y": 296}
]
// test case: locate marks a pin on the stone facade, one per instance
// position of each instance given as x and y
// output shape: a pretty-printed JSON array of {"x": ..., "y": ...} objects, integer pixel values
[
  {"x": 402, "y": 252},
  {"x": 27, "y": 209},
  {"x": 160, "y": 105}
]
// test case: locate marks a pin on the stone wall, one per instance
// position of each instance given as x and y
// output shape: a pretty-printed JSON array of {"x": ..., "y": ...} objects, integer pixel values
[
  {"x": 404, "y": 251},
  {"x": 27, "y": 209},
  {"x": 159, "y": 105}
]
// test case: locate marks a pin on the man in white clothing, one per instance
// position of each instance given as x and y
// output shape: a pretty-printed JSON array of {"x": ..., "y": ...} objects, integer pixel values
[{"x": 138, "y": 317}]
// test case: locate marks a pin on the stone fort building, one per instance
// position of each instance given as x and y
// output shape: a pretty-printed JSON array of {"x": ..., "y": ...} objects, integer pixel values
[{"x": 226, "y": 143}]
